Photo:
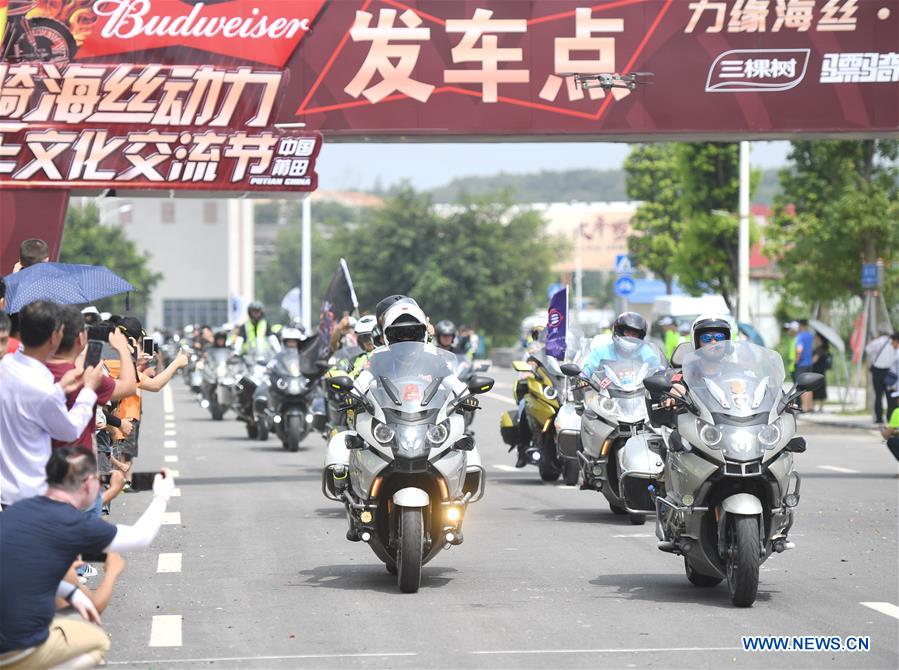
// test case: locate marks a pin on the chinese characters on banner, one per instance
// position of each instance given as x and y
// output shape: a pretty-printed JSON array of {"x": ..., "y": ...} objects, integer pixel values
[{"x": 148, "y": 127}]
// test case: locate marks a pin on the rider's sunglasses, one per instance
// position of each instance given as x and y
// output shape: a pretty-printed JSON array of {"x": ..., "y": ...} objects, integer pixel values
[{"x": 708, "y": 338}]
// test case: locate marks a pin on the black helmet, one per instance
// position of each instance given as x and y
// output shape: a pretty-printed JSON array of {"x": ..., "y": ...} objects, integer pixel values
[
  {"x": 710, "y": 324},
  {"x": 445, "y": 327},
  {"x": 629, "y": 321}
]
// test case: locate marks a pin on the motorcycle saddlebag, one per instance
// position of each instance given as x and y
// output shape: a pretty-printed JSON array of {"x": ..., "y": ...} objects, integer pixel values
[{"x": 508, "y": 427}]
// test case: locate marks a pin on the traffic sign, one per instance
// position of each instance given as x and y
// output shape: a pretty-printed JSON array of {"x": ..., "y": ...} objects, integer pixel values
[
  {"x": 870, "y": 276},
  {"x": 623, "y": 265},
  {"x": 624, "y": 286}
]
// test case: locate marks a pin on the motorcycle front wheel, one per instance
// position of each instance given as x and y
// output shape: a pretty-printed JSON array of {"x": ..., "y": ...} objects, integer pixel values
[
  {"x": 743, "y": 560},
  {"x": 409, "y": 550},
  {"x": 294, "y": 433}
]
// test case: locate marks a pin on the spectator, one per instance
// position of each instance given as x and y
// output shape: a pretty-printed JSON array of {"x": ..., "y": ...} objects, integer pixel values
[
  {"x": 33, "y": 408},
  {"x": 91, "y": 316},
  {"x": 12, "y": 343},
  {"x": 2, "y": 294},
  {"x": 822, "y": 361},
  {"x": 805, "y": 346},
  {"x": 32, "y": 252},
  {"x": 112, "y": 570},
  {"x": 669, "y": 335},
  {"x": 41, "y": 537},
  {"x": 880, "y": 357}
]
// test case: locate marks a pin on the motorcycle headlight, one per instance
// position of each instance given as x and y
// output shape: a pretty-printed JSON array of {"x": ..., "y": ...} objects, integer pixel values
[
  {"x": 222, "y": 370},
  {"x": 770, "y": 434},
  {"x": 438, "y": 433},
  {"x": 281, "y": 383},
  {"x": 383, "y": 433},
  {"x": 743, "y": 440},
  {"x": 294, "y": 386},
  {"x": 550, "y": 392},
  {"x": 709, "y": 434}
]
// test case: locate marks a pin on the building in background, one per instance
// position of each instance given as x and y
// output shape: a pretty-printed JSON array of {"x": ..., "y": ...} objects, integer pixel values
[{"x": 203, "y": 248}]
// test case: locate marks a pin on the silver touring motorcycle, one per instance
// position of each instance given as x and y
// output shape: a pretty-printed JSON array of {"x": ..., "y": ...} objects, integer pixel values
[
  {"x": 730, "y": 486},
  {"x": 406, "y": 471}
]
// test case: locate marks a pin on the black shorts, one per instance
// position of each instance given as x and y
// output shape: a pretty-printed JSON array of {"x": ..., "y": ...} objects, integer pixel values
[{"x": 128, "y": 445}]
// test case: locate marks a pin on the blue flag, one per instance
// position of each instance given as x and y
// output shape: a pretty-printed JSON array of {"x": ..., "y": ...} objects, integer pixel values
[{"x": 557, "y": 324}]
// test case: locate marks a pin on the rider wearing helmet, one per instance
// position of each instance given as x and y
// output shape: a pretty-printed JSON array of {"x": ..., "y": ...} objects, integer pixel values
[
  {"x": 351, "y": 359},
  {"x": 253, "y": 335},
  {"x": 291, "y": 337},
  {"x": 220, "y": 338},
  {"x": 405, "y": 322},
  {"x": 445, "y": 332},
  {"x": 708, "y": 330},
  {"x": 628, "y": 333}
]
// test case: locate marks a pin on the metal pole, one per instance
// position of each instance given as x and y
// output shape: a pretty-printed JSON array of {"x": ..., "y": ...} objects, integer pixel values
[
  {"x": 306, "y": 265},
  {"x": 743, "y": 277}
]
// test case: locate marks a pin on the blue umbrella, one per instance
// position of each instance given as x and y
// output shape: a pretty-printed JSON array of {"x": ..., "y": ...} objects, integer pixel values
[
  {"x": 751, "y": 333},
  {"x": 64, "y": 283}
]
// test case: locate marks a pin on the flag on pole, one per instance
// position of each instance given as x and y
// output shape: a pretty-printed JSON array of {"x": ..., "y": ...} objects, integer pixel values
[
  {"x": 291, "y": 303},
  {"x": 557, "y": 324},
  {"x": 340, "y": 300}
]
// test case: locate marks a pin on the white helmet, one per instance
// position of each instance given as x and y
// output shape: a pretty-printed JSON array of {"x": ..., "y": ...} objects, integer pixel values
[
  {"x": 707, "y": 323},
  {"x": 366, "y": 325},
  {"x": 292, "y": 334},
  {"x": 405, "y": 322}
]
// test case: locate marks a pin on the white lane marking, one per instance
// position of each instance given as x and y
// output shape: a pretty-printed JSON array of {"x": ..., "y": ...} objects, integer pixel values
[
  {"x": 170, "y": 444},
  {"x": 635, "y": 535},
  {"x": 169, "y": 563},
  {"x": 169, "y": 433},
  {"x": 166, "y": 631},
  {"x": 168, "y": 403},
  {"x": 169, "y": 425},
  {"x": 171, "y": 519},
  {"x": 176, "y": 492},
  {"x": 566, "y": 487},
  {"x": 157, "y": 661},
  {"x": 502, "y": 385},
  {"x": 884, "y": 608},
  {"x": 174, "y": 473},
  {"x": 602, "y": 651},
  {"x": 501, "y": 398},
  {"x": 169, "y": 417},
  {"x": 837, "y": 468},
  {"x": 505, "y": 468},
  {"x": 171, "y": 458}
]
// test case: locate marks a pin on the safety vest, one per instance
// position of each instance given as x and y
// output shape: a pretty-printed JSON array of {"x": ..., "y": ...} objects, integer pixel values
[{"x": 256, "y": 333}]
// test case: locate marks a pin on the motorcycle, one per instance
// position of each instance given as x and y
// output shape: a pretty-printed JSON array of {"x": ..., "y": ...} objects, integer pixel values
[
  {"x": 220, "y": 370},
  {"x": 616, "y": 449},
  {"x": 256, "y": 362},
  {"x": 291, "y": 404},
  {"x": 542, "y": 387},
  {"x": 464, "y": 368},
  {"x": 38, "y": 39},
  {"x": 407, "y": 471},
  {"x": 730, "y": 484}
]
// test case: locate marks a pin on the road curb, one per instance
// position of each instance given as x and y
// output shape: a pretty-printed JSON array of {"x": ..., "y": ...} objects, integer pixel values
[{"x": 836, "y": 424}]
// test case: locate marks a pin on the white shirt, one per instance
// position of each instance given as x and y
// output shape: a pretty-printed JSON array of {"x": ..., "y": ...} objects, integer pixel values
[
  {"x": 881, "y": 352},
  {"x": 32, "y": 412}
]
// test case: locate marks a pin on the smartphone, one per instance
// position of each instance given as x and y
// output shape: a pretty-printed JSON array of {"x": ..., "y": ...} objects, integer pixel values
[
  {"x": 94, "y": 558},
  {"x": 142, "y": 481},
  {"x": 149, "y": 346},
  {"x": 100, "y": 332},
  {"x": 94, "y": 353}
]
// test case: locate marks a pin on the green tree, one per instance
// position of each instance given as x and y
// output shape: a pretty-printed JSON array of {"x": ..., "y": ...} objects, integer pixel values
[
  {"x": 839, "y": 208},
  {"x": 85, "y": 240},
  {"x": 707, "y": 253},
  {"x": 653, "y": 179},
  {"x": 481, "y": 263}
]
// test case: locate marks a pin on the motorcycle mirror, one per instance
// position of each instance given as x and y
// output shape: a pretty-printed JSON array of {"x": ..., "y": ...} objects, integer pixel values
[
  {"x": 353, "y": 441},
  {"x": 657, "y": 384},
  {"x": 480, "y": 384},
  {"x": 322, "y": 365},
  {"x": 570, "y": 369},
  {"x": 809, "y": 381},
  {"x": 521, "y": 366},
  {"x": 341, "y": 384},
  {"x": 679, "y": 353}
]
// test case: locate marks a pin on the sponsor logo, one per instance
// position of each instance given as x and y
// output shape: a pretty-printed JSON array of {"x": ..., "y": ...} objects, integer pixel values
[
  {"x": 860, "y": 68},
  {"x": 757, "y": 70},
  {"x": 555, "y": 318},
  {"x": 265, "y": 31},
  {"x": 411, "y": 393}
]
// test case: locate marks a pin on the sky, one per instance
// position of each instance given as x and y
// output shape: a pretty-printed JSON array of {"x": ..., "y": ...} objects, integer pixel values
[{"x": 353, "y": 166}]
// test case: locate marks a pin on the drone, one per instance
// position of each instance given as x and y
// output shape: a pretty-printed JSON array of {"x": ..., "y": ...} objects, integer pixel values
[{"x": 608, "y": 80}]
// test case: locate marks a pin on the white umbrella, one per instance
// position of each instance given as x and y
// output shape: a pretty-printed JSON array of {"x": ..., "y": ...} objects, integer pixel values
[{"x": 829, "y": 334}]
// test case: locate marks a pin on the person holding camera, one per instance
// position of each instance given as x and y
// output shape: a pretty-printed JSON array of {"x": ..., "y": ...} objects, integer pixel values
[
  {"x": 33, "y": 408},
  {"x": 41, "y": 537}
]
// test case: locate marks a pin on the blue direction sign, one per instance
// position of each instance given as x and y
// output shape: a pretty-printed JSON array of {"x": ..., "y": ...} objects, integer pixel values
[
  {"x": 623, "y": 264},
  {"x": 624, "y": 286},
  {"x": 870, "y": 277}
]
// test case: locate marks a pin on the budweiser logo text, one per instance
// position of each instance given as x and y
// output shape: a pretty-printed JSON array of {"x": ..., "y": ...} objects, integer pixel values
[{"x": 128, "y": 19}]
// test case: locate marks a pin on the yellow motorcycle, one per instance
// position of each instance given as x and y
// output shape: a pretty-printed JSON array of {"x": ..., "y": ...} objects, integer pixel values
[{"x": 539, "y": 393}]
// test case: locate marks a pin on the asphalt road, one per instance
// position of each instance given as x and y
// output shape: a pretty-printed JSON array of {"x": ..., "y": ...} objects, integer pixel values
[{"x": 253, "y": 570}]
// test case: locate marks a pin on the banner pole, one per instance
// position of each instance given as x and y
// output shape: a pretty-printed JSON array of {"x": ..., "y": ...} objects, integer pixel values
[{"x": 306, "y": 265}]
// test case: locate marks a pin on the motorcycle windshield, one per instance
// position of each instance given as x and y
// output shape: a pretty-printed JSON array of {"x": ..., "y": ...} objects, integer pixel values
[
  {"x": 287, "y": 364},
  {"x": 218, "y": 355},
  {"x": 407, "y": 378},
  {"x": 737, "y": 379},
  {"x": 621, "y": 380}
]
